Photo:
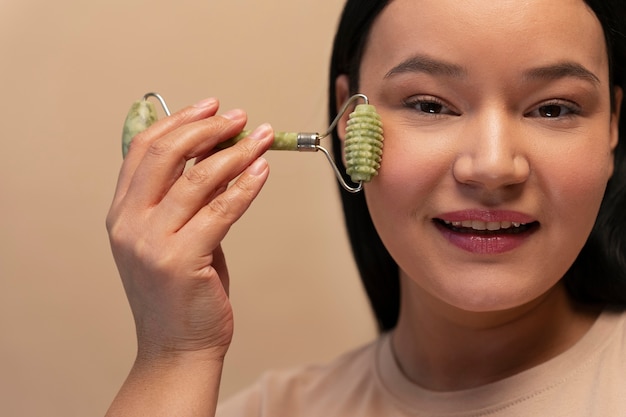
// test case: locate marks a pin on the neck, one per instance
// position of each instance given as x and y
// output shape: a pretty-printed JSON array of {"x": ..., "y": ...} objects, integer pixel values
[{"x": 447, "y": 349}]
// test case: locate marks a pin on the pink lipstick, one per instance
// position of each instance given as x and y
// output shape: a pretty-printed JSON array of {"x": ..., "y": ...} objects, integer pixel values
[{"x": 486, "y": 232}]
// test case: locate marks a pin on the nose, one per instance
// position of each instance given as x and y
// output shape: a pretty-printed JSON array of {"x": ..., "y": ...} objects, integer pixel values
[{"x": 492, "y": 155}]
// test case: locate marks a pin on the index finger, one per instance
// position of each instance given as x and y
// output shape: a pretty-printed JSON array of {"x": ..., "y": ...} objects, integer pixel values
[{"x": 142, "y": 141}]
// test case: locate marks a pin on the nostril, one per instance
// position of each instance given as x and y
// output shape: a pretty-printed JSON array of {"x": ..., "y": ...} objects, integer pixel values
[{"x": 491, "y": 172}]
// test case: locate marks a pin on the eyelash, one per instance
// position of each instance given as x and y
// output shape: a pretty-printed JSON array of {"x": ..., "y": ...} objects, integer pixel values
[
  {"x": 571, "y": 109},
  {"x": 545, "y": 110},
  {"x": 418, "y": 102}
]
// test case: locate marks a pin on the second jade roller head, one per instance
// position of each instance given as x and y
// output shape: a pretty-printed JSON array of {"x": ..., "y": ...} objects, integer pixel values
[{"x": 363, "y": 141}]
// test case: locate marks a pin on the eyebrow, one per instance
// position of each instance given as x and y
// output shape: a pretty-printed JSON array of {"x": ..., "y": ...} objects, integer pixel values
[
  {"x": 562, "y": 70},
  {"x": 428, "y": 65}
]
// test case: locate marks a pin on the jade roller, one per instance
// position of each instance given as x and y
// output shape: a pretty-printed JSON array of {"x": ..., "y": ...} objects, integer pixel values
[{"x": 362, "y": 148}]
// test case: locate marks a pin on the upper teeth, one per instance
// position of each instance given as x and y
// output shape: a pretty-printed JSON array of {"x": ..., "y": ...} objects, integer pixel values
[{"x": 481, "y": 225}]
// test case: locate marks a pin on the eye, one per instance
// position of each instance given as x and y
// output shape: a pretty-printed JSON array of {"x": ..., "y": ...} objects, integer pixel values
[
  {"x": 555, "y": 109},
  {"x": 429, "y": 105}
]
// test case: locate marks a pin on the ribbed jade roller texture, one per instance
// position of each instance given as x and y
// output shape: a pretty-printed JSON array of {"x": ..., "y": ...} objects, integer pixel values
[{"x": 363, "y": 145}]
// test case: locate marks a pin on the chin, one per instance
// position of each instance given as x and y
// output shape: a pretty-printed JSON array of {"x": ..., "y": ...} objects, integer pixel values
[{"x": 484, "y": 295}]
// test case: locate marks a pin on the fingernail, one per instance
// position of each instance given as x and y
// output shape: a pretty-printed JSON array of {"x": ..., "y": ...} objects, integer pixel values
[
  {"x": 207, "y": 102},
  {"x": 235, "y": 114},
  {"x": 261, "y": 132}
]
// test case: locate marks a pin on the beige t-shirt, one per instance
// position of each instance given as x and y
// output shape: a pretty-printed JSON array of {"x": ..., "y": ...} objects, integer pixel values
[{"x": 587, "y": 380}]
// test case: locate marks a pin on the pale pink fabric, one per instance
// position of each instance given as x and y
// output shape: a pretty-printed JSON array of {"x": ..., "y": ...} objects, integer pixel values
[{"x": 588, "y": 380}]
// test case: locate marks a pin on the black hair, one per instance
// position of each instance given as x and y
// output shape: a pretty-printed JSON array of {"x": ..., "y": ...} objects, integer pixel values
[{"x": 598, "y": 274}]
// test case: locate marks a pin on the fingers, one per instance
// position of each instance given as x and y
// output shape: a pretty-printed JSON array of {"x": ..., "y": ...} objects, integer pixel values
[
  {"x": 154, "y": 184},
  {"x": 165, "y": 158},
  {"x": 166, "y": 223},
  {"x": 203, "y": 183},
  {"x": 214, "y": 219},
  {"x": 143, "y": 141}
]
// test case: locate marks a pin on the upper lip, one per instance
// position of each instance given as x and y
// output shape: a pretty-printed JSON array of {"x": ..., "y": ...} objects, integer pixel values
[{"x": 486, "y": 219}]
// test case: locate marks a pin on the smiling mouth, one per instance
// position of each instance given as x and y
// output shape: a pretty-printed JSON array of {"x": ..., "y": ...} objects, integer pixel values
[{"x": 479, "y": 227}]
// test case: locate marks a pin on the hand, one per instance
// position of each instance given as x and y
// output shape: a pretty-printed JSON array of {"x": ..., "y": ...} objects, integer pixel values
[{"x": 166, "y": 224}]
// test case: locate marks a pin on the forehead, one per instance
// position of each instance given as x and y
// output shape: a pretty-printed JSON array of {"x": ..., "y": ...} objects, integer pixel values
[{"x": 492, "y": 36}]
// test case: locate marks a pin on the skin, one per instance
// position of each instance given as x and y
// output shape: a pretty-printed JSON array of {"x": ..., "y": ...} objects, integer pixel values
[
  {"x": 482, "y": 116},
  {"x": 165, "y": 226},
  {"x": 491, "y": 151}
]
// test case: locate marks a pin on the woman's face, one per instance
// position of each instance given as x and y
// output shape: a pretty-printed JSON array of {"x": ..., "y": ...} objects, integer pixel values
[{"x": 498, "y": 143}]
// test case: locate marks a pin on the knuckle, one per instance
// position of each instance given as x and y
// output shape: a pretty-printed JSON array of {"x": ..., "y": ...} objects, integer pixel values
[
  {"x": 221, "y": 207},
  {"x": 123, "y": 236},
  {"x": 110, "y": 222},
  {"x": 245, "y": 187},
  {"x": 113, "y": 227},
  {"x": 139, "y": 141},
  {"x": 179, "y": 118},
  {"x": 231, "y": 204},
  {"x": 145, "y": 137},
  {"x": 141, "y": 247},
  {"x": 248, "y": 149},
  {"x": 197, "y": 175},
  {"x": 160, "y": 147},
  {"x": 118, "y": 237}
]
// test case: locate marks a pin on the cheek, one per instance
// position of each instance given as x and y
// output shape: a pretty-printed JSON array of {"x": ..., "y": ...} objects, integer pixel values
[
  {"x": 577, "y": 179},
  {"x": 411, "y": 172}
]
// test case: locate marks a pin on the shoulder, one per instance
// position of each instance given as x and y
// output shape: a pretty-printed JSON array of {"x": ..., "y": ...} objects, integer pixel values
[
  {"x": 610, "y": 330},
  {"x": 359, "y": 362},
  {"x": 612, "y": 323},
  {"x": 308, "y": 390}
]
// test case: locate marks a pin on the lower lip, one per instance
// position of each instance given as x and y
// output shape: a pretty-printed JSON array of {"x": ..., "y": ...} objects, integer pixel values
[{"x": 482, "y": 244}]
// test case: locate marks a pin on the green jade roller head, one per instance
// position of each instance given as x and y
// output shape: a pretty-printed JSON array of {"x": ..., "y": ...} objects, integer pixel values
[{"x": 362, "y": 148}]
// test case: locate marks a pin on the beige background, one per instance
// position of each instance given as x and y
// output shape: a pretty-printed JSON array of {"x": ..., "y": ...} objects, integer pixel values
[{"x": 69, "y": 70}]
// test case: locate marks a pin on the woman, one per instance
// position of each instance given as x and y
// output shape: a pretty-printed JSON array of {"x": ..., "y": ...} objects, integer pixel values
[{"x": 491, "y": 243}]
